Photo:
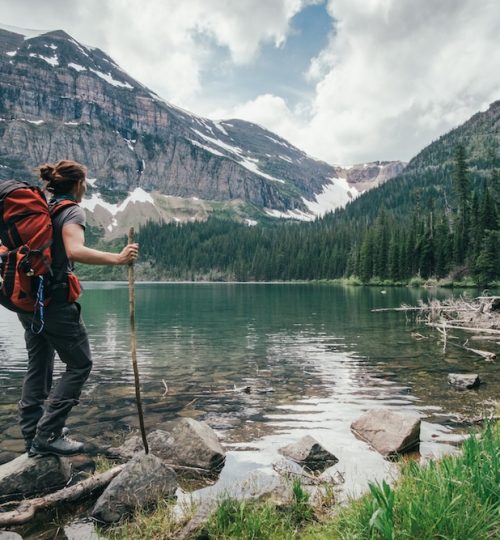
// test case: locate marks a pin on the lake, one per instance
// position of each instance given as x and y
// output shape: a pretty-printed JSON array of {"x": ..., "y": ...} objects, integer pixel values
[{"x": 314, "y": 356}]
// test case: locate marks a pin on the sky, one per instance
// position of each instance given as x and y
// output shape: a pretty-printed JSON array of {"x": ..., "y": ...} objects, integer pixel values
[{"x": 348, "y": 81}]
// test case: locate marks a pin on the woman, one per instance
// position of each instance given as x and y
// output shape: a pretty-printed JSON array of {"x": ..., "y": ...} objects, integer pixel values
[{"x": 63, "y": 330}]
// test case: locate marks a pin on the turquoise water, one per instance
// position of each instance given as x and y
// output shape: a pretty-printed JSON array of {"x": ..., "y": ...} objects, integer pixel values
[{"x": 313, "y": 356}]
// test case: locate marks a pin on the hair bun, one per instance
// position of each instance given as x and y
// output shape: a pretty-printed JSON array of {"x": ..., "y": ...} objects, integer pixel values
[{"x": 47, "y": 172}]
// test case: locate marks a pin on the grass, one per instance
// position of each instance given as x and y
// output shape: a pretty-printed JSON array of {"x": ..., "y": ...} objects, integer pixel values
[
  {"x": 157, "y": 524},
  {"x": 455, "y": 498},
  {"x": 248, "y": 520}
]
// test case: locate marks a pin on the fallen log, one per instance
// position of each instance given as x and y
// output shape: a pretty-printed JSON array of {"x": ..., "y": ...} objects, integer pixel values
[
  {"x": 488, "y": 356},
  {"x": 467, "y": 328},
  {"x": 28, "y": 508}
]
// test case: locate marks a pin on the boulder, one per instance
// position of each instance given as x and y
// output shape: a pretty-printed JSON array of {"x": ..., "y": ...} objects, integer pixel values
[
  {"x": 25, "y": 476},
  {"x": 307, "y": 452},
  {"x": 194, "y": 444},
  {"x": 187, "y": 443},
  {"x": 388, "y": 432},
  {"x": 9, "y": 535},
  {"x": 142, "y": 482},
  {"x": 129, "y": 448},
  {"x": 464, "y": 381}
]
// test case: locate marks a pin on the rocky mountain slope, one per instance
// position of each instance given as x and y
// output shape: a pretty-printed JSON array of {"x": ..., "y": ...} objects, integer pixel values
[
  {"x": 62, "y": 99},
  {"x": 427, "y": 180}
]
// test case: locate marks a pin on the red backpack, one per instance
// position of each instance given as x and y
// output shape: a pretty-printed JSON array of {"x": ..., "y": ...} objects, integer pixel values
[{"x": 25, "y": 249}]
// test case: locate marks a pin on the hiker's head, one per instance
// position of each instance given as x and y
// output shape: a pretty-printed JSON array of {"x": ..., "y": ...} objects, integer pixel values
[{"x": 64, "y": 177}]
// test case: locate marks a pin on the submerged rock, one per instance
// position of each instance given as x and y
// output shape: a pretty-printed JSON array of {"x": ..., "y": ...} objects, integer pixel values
[
  {"x": 464, "y": 381},
  {"x": 143, "y": 480},
  {"x": 388, "y": 432},
  {"x": 309, "y": 453},
  {"x": 25, "y": 476}
]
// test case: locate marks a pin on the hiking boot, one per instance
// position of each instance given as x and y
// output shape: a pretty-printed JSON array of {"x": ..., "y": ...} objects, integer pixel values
[
  {"x": 57, "y": 446},
  {"x": 28, "y": 439},
  {"x": 27, "y": 444}
]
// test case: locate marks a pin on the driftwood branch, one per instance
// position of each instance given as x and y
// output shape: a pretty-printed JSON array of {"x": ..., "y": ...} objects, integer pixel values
[
  {"x": 28, "y": 508},
  {"x": 468, "y": 328}
]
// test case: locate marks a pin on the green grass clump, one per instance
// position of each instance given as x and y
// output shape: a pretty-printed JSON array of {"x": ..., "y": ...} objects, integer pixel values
[
  {"x": 249, "y": 520},
  {"x": 455, "y": 498},
  {"x": 157, "y": 524}
]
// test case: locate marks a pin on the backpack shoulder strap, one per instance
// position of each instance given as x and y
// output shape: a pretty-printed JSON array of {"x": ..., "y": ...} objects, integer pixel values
[{"x": 60, "y": 205}]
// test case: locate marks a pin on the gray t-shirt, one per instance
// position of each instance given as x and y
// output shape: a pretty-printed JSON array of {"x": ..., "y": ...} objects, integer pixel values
[{"x": 61, "y": 265}]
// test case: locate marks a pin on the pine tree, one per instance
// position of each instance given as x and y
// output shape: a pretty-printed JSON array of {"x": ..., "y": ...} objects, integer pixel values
[
  {"x": 461, "y": 184},
  {"x": 487, "y": 267}
]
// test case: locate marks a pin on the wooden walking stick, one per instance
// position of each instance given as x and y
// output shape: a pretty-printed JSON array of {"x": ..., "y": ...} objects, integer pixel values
[{"x": 133, "y": 343}]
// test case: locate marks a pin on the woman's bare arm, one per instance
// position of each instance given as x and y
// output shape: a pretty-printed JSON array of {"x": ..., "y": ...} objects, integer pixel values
[{"x": 74, "y": 244}]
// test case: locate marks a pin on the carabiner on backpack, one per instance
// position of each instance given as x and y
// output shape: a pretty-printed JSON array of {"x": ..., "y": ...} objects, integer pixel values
[{"x": 39, "y": 307}]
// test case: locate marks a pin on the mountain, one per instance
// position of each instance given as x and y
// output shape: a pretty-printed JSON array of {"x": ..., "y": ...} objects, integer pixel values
[
  {"x": 417, "y": 226},
  {"x": 62, "y": 99},
  {"x": 426, "y": 182}
]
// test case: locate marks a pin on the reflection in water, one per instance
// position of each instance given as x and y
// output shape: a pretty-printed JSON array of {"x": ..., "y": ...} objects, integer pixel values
[{"x": 314, "y": 357}]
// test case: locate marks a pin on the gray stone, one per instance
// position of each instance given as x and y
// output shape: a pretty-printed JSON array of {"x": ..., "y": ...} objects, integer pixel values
[
  {"x": 128, "y": 449},
  {"x": 309, "y": 453},
  {"x": 187, "y": 443},
  {"x": 190, "y": 443},
  {"x": 388, "y": 432},
  {"x": 9, "y": 535},
  {"x": 464, "y": 381},
  {"x": 25, "y": 475},
  {"x": 141, "y": 483}
]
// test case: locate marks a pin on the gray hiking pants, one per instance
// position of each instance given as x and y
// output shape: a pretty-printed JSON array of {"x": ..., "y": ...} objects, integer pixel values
[{"x": 64, "y": 332}]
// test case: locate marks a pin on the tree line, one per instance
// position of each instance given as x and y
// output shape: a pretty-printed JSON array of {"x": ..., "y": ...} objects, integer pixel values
[{"x": 454, "y": 234}]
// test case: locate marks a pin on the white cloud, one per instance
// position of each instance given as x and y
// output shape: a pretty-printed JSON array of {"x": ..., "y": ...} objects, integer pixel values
[
  {"x": 267, "y": 110},
  {"x": 397, "y": 74}
]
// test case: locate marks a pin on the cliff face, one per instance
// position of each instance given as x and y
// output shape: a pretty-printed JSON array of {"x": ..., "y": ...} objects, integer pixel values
[{"x": 61, "y": 99}]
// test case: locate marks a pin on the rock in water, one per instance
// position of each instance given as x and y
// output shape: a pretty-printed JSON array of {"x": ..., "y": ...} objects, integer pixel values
[
  {"x": 187, "y": 443},
  {"x": 194, "y": 444},
  {"x": 25, "y": 476},
  {"x": 388, "y": 432},
  {"x": 464, "y": 381},
  {"x": 143, "y": 480},
  {"x": 309, "y": 453}
]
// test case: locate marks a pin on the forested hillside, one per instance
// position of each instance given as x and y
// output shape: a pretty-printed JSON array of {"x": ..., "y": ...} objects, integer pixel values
[{"x": 439, "y": 219}]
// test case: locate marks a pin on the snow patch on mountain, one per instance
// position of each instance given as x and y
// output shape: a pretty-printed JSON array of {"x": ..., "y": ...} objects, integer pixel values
[
  {"x": 110, "y": 80},
  {"x": 290, "y": 214},
  {"x": 245, "y": 161},
  {"x": 220, "y": 127},
  {"x": 334, "y": 195},
  {"x": 279, "y": 142},
  {"x": 52, "y": 60},
  {"x": 76, "y": 67},
  {"x": 211, "y": 150},
  {"x": 136, "y": 196}
]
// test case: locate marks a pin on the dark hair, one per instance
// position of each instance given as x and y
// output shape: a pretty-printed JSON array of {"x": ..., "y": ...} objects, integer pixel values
[{"x": 62, "y": 176}]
